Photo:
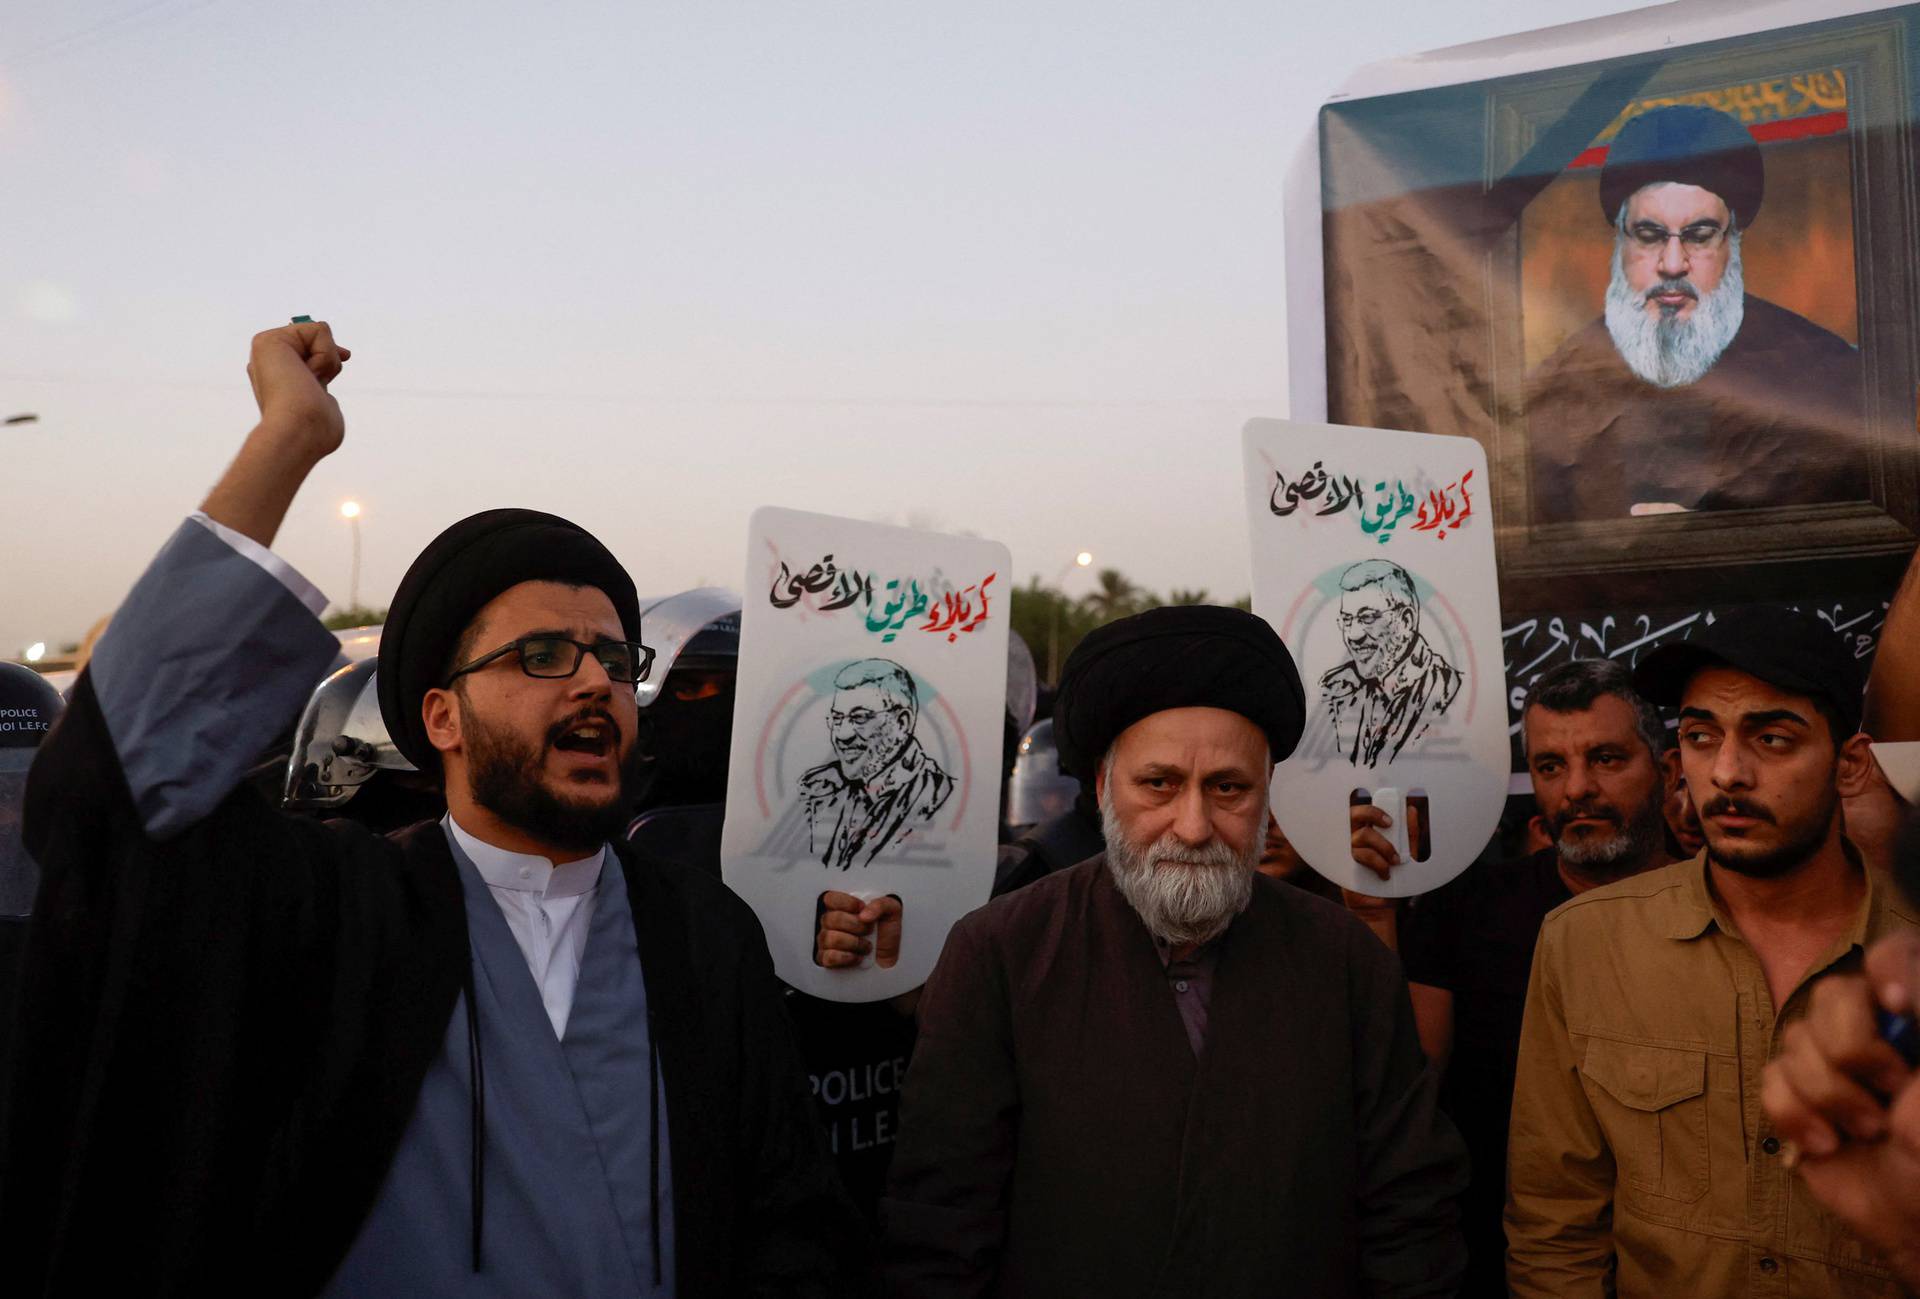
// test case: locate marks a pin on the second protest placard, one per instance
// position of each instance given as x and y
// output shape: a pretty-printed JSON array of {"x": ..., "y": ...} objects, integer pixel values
[
  {"x": 866, "y": 737},
  {"x": 1373, "y": 559}
]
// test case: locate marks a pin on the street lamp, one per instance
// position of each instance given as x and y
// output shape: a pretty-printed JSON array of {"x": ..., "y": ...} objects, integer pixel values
[
  {"x": 350, "y": 511},
  {"x": 36, "y": 651},
  {"x": 1080, "y": 560}
]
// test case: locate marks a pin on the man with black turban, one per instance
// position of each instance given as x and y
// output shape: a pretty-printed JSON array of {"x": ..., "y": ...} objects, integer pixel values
[
  {"x": 1158, "y": 1071},
  {"x": 1689, "y": 393},
  {"x": 496, "y": 1054}
]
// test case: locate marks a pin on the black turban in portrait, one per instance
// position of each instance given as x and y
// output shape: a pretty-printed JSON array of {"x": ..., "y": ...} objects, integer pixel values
[
  {"x": 1685, "y": 145},
  {"x": 459, "y": 572},
  {"x": 1180, "y": 656}
]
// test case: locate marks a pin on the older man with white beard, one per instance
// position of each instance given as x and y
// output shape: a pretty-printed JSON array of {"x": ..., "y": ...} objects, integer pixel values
[
  {"x": 1690, "y": 393},
  {"x": 1158, "y": 1072}
]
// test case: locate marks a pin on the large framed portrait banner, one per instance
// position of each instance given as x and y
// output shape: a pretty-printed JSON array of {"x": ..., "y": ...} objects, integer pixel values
[{"x": 1663, "y": 268}]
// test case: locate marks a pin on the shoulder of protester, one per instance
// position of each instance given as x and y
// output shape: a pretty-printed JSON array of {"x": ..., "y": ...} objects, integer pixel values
[
  {"x": 1483, "y": 880},
  {"x": 1660, "y": 901},
  {"x": 1907, "y": 913}
]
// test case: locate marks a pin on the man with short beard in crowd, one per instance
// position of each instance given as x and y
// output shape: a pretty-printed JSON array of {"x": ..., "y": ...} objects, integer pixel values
[
  {"x": 1690, "y": 393},
  {"x": 1159, "y": 1071},
  {"x": 1640, "y": 1162},
  {"x": 1592, "y": 748}
]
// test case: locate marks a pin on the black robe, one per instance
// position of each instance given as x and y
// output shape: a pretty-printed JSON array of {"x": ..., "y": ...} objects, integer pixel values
[
  {"x": 1778, "y": 420},
  {"x": 222, "y": 1037},
  {"x": 1058, "y": 1135}
]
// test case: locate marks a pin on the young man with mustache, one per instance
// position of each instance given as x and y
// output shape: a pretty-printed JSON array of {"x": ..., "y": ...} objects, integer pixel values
[
  {"x": 492, "y": 1055},
  {"x": 1593, "y": 752},
  {"x": 1689, "y": 393},
  {"x": 1641, "y": 1163},
  {"x": 1159, "y": 1071}
]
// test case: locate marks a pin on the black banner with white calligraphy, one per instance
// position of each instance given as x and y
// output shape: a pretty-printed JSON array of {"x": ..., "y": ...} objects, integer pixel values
[{"x": 1535, "y": 644}]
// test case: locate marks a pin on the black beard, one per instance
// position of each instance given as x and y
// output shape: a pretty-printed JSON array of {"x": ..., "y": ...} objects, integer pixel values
[
  {"x": 1802, "y": 841},
  {"x": 504, "y": 775}
]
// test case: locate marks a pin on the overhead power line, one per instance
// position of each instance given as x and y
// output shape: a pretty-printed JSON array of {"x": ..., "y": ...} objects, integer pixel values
[{"x": 668, "y": 399}]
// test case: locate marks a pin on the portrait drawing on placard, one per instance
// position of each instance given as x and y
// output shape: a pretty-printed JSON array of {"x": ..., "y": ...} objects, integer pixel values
[
  {"x": 880, "y": 783},
  {"x": 1394, "y": 683}
]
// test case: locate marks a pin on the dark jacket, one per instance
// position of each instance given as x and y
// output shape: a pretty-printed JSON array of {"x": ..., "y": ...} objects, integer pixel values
[
  {"x": 1066, "y": 840},
  {"x": 1778, "y": 420},
  {"x": 223, "y": 1035},
  {"x": 1059, "y": 1137}
]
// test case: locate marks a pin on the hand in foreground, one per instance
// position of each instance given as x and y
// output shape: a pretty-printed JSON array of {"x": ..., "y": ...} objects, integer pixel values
[
  {"x": 290, "y": 368},
  {"x": 1371, "y": 848},
  {"x": 850, "y": 928},
  {"x": 1851, "y": 1106}
]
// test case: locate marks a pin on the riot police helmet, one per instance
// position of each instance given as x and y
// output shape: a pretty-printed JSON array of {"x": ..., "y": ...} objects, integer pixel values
[{"x": 341, "y": 742}]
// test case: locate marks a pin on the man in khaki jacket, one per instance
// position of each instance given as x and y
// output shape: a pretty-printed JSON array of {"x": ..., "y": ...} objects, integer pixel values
[{"x": 1640, "y": 1161}]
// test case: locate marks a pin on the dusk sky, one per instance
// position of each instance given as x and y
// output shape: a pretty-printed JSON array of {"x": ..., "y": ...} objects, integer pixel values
[{"x": 1009, "y": 269}]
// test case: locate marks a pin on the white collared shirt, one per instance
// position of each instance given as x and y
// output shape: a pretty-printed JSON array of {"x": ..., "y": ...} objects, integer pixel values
[{"x": 549, "y": 909}]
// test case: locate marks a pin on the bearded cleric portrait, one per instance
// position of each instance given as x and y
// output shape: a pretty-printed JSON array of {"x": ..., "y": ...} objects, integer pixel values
[
  {"x": 1159, "y": 1071},
  {"x": 1688, "y": 392},
  {"x": 494, "y": 1054}
]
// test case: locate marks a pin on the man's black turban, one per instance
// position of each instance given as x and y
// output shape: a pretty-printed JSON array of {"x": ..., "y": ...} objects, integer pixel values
[
  {"x": 461, "y": 570},
  {"x": 1181, "y": 656},
  {"x": 1686, "y": 145}
]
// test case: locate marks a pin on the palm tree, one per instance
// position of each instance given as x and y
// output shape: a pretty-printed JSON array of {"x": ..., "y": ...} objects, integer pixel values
[
  {"x": 1180, "y": 596},
  {"x": 1114, "y": 597}
]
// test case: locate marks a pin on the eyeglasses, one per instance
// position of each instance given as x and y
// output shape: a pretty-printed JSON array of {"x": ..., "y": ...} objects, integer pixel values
[
  {"x": 554, "y": 657},
  {"x": 1699, "y": 235}
]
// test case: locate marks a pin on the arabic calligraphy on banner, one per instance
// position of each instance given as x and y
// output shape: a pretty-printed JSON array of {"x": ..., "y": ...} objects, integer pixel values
[
  {"x": 1437, "y": 511},
  {"x": 1775, "y": 99},
  {"x": 1533, "y": 645},
  {"x": 889, "y": 607}
]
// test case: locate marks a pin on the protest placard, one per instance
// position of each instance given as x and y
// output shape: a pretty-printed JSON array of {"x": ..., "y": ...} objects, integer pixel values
[
  {"x": 1373, "y": 559},
  {"x": 867, "y": 735}
]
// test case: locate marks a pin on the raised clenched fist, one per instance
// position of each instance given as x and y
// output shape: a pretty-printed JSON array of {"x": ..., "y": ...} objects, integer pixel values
[{"x": 290, "y": 369}]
